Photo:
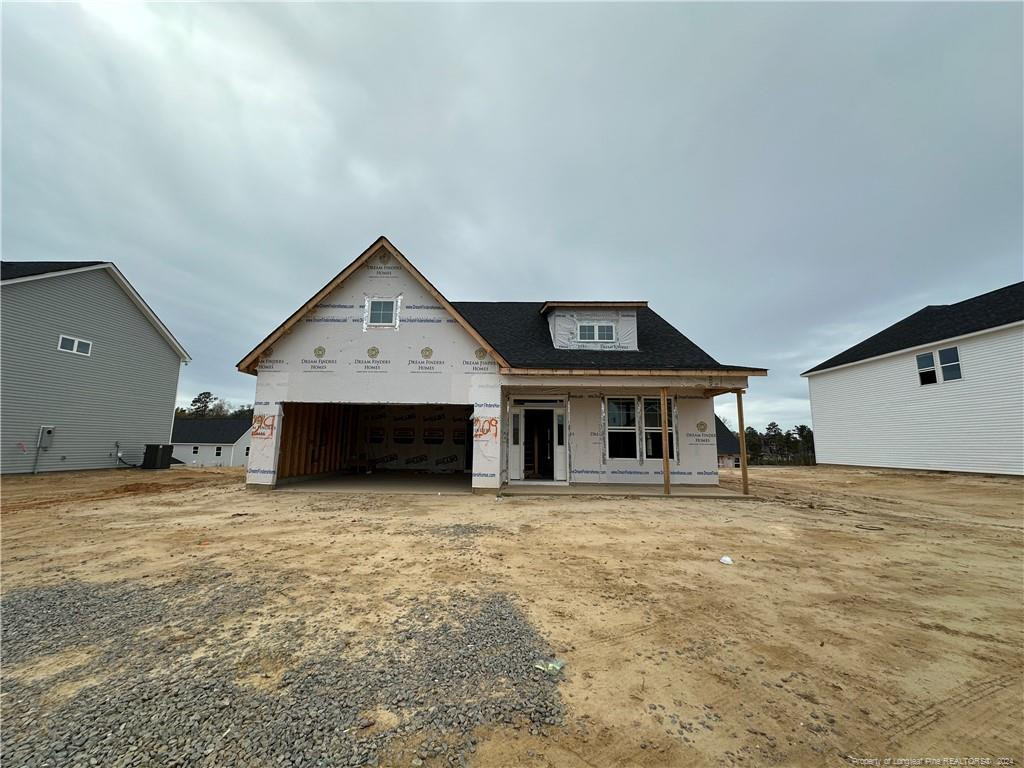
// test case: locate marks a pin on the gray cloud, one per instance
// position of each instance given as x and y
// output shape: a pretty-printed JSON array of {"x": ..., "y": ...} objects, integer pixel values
[{"x": 779, "y": 180}]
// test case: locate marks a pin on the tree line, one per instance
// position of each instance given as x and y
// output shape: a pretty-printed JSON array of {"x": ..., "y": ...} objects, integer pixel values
[
  {"x": 773, "y": 446},
  {"x": 206, "y": 405}
]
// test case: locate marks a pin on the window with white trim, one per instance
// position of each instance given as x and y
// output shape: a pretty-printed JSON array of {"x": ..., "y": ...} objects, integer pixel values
[
  {"x": 381, "y": 313},
  {"x": 926, "y": 368},
  {"x": 595, "y": 332},
  {"x": 652, "y": 429},
  {"x": 195, "y": 450},
  {"x": 949, "y": 364},
  {"x": 74, "y": 345},
  {"x": 247, "y": 450},
  {"x": 949, "y": 361},
  {"x": 621, "y": 427},
  {"x": 217, "y": 451}
]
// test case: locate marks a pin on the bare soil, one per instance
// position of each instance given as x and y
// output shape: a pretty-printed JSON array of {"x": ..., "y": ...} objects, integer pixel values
[{"x": 870, "y": 614}]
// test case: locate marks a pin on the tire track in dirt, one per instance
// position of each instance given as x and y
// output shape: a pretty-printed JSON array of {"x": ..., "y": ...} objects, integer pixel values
[{"x": 959, "y": 701}]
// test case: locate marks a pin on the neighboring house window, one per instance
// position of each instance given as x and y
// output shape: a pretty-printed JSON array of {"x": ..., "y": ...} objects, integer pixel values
[
  {"x": 195, "y": 450},
  {"x": 926, "y": 368},
  {"x": 652, "y": 429},
  {"x": 949, "y": 359},
  {"x": 949, "y": 362},
  {"x": 217, "y": 451},
  {"x": 621, "y": 428},
  {"x": 247, "y": 450},
  {"x": 382, "y": 313},
  {"x": 596, "y": 332},
  {"x": 75, "y": 346}
]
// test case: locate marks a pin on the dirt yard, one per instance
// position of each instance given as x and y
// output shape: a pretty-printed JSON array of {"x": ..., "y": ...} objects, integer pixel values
[{"x": 176, "y": 618}]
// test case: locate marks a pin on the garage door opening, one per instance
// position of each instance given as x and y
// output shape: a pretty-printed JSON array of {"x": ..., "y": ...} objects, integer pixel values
[{"x": 377, "y": 447}]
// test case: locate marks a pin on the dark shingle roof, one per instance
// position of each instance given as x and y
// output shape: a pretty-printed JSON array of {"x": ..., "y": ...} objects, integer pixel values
[
  {"x": 936, "y": 323},
  {"x": 519, "y": 333},
  {"x": 223, "y": 431},
  {"x": 727, "y": 441},
  {"x": 12, "y": 270}
]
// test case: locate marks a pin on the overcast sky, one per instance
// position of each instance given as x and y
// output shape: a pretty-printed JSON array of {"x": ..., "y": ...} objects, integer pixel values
[{"x": 779, "y": 181}]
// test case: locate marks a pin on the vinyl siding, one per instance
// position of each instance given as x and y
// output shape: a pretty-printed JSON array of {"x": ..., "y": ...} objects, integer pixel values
[
  {"x": 875, "y": 413},
  {"x": 124, "y": 392},
  {"x": 230, "y": 455}
]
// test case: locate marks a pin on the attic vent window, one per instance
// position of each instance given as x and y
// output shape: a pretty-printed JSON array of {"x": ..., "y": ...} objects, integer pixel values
[
  {"x": 75, "y": 346},
  {"x": 382, "y": 313},
  {"x": 596, "y": 332}
]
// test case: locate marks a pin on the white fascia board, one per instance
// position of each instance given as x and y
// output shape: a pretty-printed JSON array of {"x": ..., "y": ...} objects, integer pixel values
[
  {"x": 44, "y": 275},
  {"x": 127, "y": 288},
  {"x": 905, "y": 350},
  {"x": 149, "y": 313}
]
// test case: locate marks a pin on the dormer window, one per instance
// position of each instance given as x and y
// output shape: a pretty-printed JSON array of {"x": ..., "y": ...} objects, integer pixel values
[{"x": 595, "y": 332}]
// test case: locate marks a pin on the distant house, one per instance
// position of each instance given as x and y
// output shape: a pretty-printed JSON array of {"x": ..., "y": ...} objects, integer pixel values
[
  {"x": 89, "y": 372},
  {"x": 728, "y": 445},
  {"x": 941, "y": 389},
  {"x": 212, "y": 442}
]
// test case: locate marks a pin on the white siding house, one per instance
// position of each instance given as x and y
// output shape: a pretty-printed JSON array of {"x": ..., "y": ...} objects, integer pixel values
[
  {"x": 950, "y": 403},
  {"x": 213, "y": 442}
]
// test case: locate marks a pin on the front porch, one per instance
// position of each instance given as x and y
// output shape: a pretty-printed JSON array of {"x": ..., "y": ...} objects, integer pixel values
[
  {"x": 619, "y": 489},
  {"x": 629, "y": 435}
]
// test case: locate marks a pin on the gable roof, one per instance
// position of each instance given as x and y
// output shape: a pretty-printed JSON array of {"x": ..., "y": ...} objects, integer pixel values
[
  {"x": 224, "y": 431},
  {"x": 519, "y": 331},
  {"x": 935, "y": 323},
  {"x": 728, "y": 443},
  {"x": 248, "y": 363},
  {"x": 14, "y": 272}
]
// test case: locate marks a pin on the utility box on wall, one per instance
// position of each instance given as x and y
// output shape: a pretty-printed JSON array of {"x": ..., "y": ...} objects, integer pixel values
[{"x": 45, "y": 437}]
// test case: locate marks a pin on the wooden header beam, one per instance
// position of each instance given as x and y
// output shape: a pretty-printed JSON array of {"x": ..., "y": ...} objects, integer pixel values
[{"x": 693, "y": 373}]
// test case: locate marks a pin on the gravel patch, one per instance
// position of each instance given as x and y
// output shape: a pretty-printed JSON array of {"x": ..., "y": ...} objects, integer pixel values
[
  {"x": 201, "y": 671},
  {"x": 464, "y": 530}
]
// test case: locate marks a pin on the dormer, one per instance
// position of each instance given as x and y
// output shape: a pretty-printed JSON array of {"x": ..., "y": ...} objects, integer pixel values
[{"x": 604, "y": 325}]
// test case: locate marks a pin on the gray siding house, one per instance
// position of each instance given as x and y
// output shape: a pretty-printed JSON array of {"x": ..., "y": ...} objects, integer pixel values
[{"x": 88, "y": 370}]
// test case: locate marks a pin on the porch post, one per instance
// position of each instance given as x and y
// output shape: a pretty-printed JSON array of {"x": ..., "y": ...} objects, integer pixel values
[
  {"x": 743, "y": 441},
  {"x": 664, "y": 441}
]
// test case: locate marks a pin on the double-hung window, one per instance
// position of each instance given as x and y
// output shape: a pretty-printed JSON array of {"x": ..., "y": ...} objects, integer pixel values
[
  {"x": 382, "y": 313},
  {"x": 926, "y": 368},
  {"x": 596, "y": 332},
  {"x": 218, "y": 450},
  {"x": 652, "y": 429},
  {"x": 195, "y": 450},
  {"x": 949, "y": 360},
  {"x": 621, "y": 427}
]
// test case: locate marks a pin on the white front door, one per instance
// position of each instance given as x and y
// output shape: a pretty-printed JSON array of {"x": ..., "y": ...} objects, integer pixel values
[
  {"x": 515, "y": 450},
  {"x": 561, "y": 448}
]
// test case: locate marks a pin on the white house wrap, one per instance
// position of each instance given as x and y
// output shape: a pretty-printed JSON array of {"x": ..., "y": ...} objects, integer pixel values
[{"x": 379, "y": 372}]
